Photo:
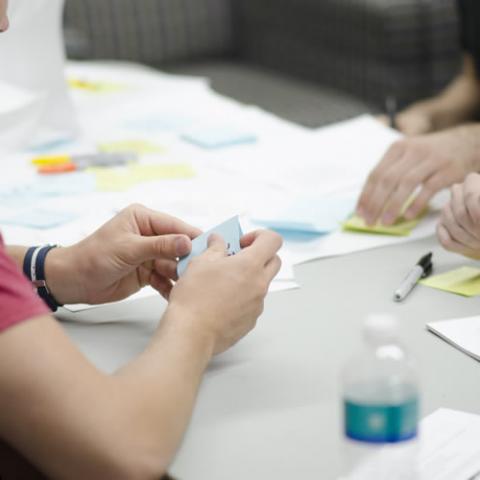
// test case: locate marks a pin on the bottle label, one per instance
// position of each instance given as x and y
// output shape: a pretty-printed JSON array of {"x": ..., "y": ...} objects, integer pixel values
[{"x": 381, "y": 423}]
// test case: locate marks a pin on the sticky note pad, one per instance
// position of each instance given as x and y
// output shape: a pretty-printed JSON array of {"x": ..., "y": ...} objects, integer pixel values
[
  {"x": 230, "y": 231},
  {"x": 401, "y": 228},
  {"x": 462, "y": 281},
  {"x": 217, "y": 137},
  {"x": 140, "y": 147},
  {"x": 38, "y": 218},
  {"x": 119, "y": 180},
  {"x": 309, "y": 215}
]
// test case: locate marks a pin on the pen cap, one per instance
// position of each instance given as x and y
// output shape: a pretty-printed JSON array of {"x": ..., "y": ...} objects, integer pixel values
[{"x": 380, "y": 329}]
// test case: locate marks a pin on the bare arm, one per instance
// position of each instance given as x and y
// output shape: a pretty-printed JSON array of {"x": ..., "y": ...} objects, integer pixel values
[
  {"x": 73, "y": 421},
  {"x": 457, "y": 104}
]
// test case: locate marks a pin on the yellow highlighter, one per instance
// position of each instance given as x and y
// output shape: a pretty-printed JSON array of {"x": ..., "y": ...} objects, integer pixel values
[
  {"x": 52, "y": 164},
  {"x": 50, "y": 160}
]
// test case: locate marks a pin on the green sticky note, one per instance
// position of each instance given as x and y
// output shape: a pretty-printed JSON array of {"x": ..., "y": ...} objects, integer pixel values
[
  {"x": 462, "y": 281},
  {"x": 400, "y": 228}
]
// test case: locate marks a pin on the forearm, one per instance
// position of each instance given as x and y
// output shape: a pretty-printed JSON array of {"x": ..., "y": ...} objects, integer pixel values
[
  {"x": 59, "y": 272},
  {"x": 91, "y": 425},
  {"x": 458, "y": 103},
  {"x": 161, "y": 385}
]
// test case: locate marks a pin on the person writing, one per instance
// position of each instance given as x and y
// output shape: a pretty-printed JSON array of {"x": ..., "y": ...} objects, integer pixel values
[
  {"x": 441, "y": 147},
  {"x": 72, "y": 421}
]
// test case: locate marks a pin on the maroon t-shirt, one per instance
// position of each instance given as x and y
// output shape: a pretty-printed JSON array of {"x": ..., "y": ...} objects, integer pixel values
[{"x": 18, "y": 301}]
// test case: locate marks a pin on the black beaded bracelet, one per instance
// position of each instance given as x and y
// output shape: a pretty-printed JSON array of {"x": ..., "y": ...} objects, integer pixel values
[{"x": 34, "y": 269}]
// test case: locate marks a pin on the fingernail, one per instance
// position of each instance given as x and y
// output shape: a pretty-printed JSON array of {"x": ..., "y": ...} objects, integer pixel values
[
  {"x": 388, "y": 219},
  {"x": 182, "y": 246}
]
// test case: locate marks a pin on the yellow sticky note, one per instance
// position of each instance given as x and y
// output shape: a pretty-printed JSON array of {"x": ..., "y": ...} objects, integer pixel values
[
  {"x": 119, "y": 180},
  {"x": 110, "y": 180},
  {"x": 94, "y": 87},
  {"x": 146, "y": 173},
  {"x": 400, "y": 228},
  {"x": 140, "y": 147},
  {"x": 462, "y": 281}
]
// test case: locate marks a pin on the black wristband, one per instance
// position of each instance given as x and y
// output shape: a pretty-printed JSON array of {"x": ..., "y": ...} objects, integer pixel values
[{"x": 34, "y": 269}]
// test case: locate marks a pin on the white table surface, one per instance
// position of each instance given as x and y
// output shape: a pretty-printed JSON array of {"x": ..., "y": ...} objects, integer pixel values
[{"x": 270, "y": 407}]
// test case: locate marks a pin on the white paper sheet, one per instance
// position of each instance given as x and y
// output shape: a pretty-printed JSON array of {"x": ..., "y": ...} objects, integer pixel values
[
  {"x": 449, "y": 449},
  {"x": 462, "y": 333}
]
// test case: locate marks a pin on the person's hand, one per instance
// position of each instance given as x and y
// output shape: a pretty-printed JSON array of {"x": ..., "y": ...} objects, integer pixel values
[
  {"x": 221, "y": 296},
  {"x": 138, "y": 247},
  {"x": 418, "y": 119},
  {"x": 459, "y": 227},
  {"x": 430, "y": 162}
]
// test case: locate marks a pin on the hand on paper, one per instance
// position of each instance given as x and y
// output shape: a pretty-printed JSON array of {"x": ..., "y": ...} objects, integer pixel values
[
  {"x": 222, "y": 296},
  {"x": 459, "y": 226},
  {"x": 138, "y": 247},
  {"x": 430, "y": 162}
]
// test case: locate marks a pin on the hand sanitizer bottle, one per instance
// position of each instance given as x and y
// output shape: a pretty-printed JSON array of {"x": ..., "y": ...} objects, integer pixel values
[{"x": 381, "y": 407}]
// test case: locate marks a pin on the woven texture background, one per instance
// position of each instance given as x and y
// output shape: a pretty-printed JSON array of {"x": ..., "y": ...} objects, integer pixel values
[
  {"x": 148, "y": 31},
  {"x": 368, "y": 48},
  {"x": 311, "y": 61}
]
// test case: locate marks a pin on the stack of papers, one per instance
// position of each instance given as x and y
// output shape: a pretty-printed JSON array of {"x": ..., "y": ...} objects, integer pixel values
[{"x": 462, "y": 333}]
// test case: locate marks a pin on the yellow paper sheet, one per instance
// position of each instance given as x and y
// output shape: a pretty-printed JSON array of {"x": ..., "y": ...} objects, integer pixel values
[
  {"x": 140, "y": 147},
  {"x": 462, "y": 281},
  {"x": 401, "y": 227},
  {"x": 119, "y": 180}
]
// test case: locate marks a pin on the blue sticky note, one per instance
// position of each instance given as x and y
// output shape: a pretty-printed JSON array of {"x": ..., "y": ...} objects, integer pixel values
[
  {"x": 310, "y": 215},
  {"x": 63, "y": 184},
  {"x": 230, "y": 231},
  {"x": 211, "y": 137},
  {"x": 38, "y": 218},
  {"x": 160, "y": 122}
]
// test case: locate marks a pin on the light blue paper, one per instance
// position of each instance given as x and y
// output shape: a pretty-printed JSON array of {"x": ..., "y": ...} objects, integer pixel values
[
  {"x": 38, "y": 218},
  {"x": 212, "y": 137},
  {"x": 63, "y": 184},
  {"x": 311, "y": 215},
  {"x": 29, "y": 193},
  {"x": 230, "y": 231},
  {"x": 160, "y": 122}
]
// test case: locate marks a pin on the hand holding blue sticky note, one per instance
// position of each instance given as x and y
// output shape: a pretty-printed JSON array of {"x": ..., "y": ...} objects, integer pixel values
[{"x": 230, "y": 231}]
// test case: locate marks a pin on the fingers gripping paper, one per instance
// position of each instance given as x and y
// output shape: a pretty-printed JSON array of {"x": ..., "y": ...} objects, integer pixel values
[{"x": 230, "y": 231}]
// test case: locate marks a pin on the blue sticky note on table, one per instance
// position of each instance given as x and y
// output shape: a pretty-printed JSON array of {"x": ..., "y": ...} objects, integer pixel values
[
  {"x": 310, "y": 215},
  {"x": 161, "y": 122},
  {"x": 38, "y": 218},
  {"x": 230, "y": 231},
  {"x": 211, "y": 137}
]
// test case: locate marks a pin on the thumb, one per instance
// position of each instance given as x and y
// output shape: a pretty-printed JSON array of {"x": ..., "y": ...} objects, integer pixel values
[
  {"x": 216, "y": 246},
  {"x": 162, "y": 246}
]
